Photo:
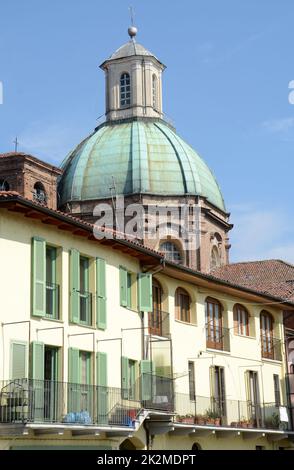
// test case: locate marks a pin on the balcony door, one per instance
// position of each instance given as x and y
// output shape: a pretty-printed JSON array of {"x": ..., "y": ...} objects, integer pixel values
[
  {"x": 50, "y": 383},
  {"x": 266, "y": 331},
  {"x": 155, "y": 317},
  {"x": 254, "y": 409},
  {"x": 218, "y": 391},
  {"x": 214, "y": 330}
]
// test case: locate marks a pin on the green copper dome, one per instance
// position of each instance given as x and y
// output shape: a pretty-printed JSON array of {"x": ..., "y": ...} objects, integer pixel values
[{"x": 138, "y": 157}]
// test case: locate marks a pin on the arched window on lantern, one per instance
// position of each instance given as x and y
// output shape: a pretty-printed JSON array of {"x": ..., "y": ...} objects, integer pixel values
[{"x": 125, "y": 90}]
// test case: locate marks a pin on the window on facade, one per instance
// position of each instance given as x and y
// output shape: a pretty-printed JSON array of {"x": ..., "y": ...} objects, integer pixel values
[
  {"x": 214, "y": 329},
  {"x": 85, "y": 295},
  {"x": 125, "y": 90},
  {"x": 192, "y": 387},
  {"x": 154, "y": 91},
  {"x": 39, "y": 193},
  {"x": 155, "y": 317},
  {"x": 4, "y": 186},
  {"x": 129, "y": 376},
  {"x": 253, "y": 397},
  {"x": 266, "y": 331},
  {"x": 218, "y": 391},
  {"x": 171, "y": 252},
  {"x": 129, "y": 290},
  {"x": 215, "y": 258},
  {"x": 52, "y": 289},
  {"x": 241, "y": 320},
  {"x": 182, "y": 305},
  {"x": 277, "y": 389}
]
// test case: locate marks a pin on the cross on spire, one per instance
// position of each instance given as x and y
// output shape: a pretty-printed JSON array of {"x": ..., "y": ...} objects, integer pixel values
[
  {"x": 132, "y": 14},
  {"x": 15, "y": 144}
]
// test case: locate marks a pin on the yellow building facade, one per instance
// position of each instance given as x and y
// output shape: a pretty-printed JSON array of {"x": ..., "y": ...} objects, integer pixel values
[{"x": 107, "y": 345}]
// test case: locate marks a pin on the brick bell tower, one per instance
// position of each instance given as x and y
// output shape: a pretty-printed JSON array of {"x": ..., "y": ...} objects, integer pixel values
[{"x": 32, "y": 178}]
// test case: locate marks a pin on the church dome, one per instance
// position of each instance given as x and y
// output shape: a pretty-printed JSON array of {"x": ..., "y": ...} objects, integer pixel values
[{"x": 136, "y": 156}]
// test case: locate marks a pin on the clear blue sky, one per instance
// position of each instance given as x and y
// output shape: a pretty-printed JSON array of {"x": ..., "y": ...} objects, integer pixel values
[{"x": 226, "y": 88}]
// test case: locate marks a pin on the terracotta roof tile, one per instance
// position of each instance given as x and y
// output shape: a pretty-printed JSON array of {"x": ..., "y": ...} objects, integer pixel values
[{"x": 274, "y": 277}]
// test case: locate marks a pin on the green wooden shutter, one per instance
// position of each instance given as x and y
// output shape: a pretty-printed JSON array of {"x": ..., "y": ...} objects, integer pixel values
[
  {"x": 123, "y": 281},
  {"x": 38, "y": 277},
  {"x": 37, "y": 374},
  {"x": 125, "y": 377},
  {"x": 147, "y": 382},
  {"x": 74, "y": 285},
  {"x": 145, "y": 292},
  {"x": 18, "y": 360},
  {"x": 74, "y": 380},
  {"x": 101, "y": 293},
  {"x": 102, "y": 395}
]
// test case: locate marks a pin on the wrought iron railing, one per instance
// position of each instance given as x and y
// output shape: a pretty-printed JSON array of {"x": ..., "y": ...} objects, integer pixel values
[
  {"x": 206, "y": 411},
  {"x": 41, "y": 401},
  {"x": 271, "y": 347},
  {"x": 217, "y": 337},
  {"x": 45, "y": 401},
  {"x": 158, "y": 322}
]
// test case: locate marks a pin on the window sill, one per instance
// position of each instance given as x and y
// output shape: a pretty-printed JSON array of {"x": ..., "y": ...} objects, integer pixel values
[
  {"x": 272, "y": 361},
  {"x": 185, "y": 322},
  {"x": 89, "y": 327},
  {"x": 130, "y": 309},
  {"x": 35, "y": 317},
  {"x": 220, "y": 351},
  {"x": 244, "y": 336}
]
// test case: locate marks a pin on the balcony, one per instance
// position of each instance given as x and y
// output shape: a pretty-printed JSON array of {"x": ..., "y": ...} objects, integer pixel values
[
  {"x": 158, "y": 323},
  {"x": 217, "y": 337},
  {"x": 205, "y": 411},
  {"x": 52, "y": 300},
  {"x": 271, "y": 348},
  {"x": 38, "y": 401}
]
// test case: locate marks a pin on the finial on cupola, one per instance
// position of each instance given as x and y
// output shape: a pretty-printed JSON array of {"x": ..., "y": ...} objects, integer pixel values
[{"x": 132, "y": 30}]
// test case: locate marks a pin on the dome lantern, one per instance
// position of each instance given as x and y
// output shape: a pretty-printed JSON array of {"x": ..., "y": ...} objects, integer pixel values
[{"x": 133, "y": 82}]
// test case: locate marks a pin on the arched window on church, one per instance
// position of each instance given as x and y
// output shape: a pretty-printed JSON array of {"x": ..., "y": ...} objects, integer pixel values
[
  {"x": 39, "y": 193},
  {"x": 171, "y": 252},
  {"x": 154, "y": 91},
  {"x": 4, "y": 186},
  {"x": 215, "y": 258},
  {"x": 125, "y": 90}
]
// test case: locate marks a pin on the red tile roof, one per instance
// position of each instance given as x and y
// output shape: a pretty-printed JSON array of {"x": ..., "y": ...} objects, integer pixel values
[{"x": 273, "y": 277}]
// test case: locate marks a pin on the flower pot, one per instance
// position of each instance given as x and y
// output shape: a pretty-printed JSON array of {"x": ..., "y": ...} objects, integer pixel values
[
  {"x": 217, "y": 421},
  {"x": 234, "y": 424},
  {"x": 244, "y": 424},
  {"x": 189, "y": 420},
  {"x": 210, "y": 421},
  {"x": 200, "y": 421}
]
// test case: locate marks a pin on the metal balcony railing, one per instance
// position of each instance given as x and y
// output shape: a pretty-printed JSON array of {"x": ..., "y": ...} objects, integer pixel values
[
  {"x": 158, "y": 323},
  {"x": 52, "y": 300},
  {"x": 206, "y": 411},
  {"x": 271, "y": 347},
  {"x": 46, "y": 401},
  {"x": 217, "y": 337}
]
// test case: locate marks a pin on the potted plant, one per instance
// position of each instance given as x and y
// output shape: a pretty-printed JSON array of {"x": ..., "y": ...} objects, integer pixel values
[
  {"x": 244, "y": 422},
  {"x": 273, "y": 421},
  {"x": 200, "y": 420},
  {"x": 213, "y": 417},
  {"x": 188, "y": 419}
]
